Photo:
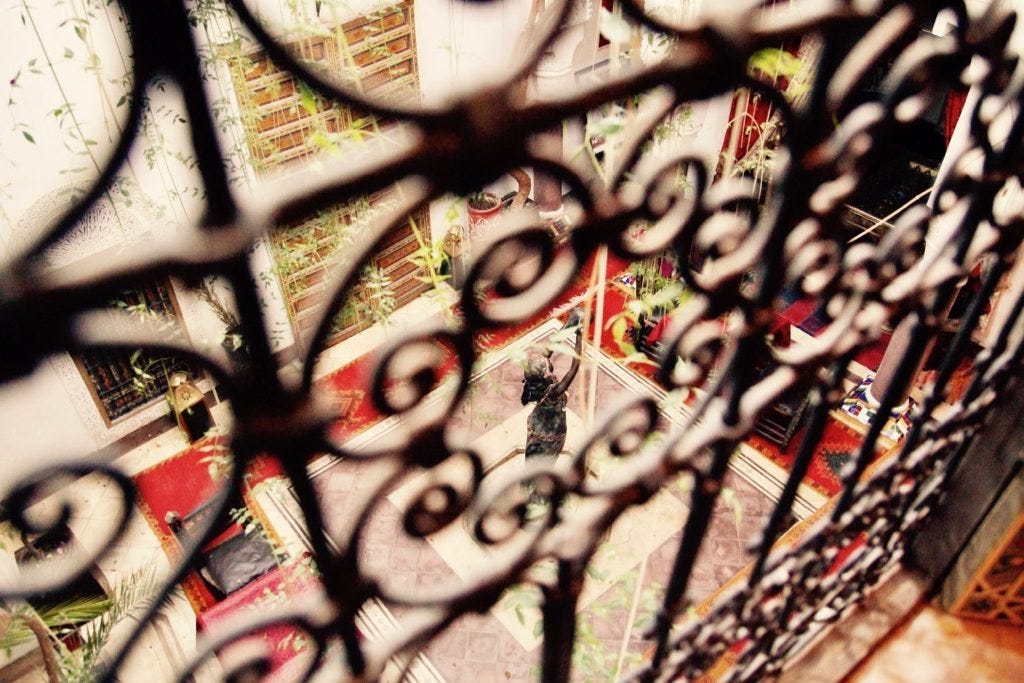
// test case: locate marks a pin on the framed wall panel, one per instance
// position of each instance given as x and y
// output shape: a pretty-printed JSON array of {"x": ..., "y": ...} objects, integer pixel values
[{"x": 122, "y": 383}]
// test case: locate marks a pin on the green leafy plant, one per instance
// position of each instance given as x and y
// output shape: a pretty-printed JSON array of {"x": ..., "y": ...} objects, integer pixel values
[
  {"x": 482, "y": 201},
  {"x": 251, "y": 525},
  {"x": 376, "y": 302},
  {"x": 774, "y": 63},
  {"x": 93, "y": 619},
  {"x": 147, "y": 369},
  {"x": 231, "y": 337},
  {"x": 778, "y": 68},
  {"x": 656, "y": 294},
  {"x": 429, "y": 257},
  {"x": 60, "y": 618},
  {"x": 129, "y": 596}
]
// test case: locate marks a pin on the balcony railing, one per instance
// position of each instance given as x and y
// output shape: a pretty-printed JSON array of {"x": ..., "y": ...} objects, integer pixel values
[{"x": 744, "y": 253}]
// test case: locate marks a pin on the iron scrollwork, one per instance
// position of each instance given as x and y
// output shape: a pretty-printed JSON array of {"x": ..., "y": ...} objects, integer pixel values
[{"x": 750, "y": 251}]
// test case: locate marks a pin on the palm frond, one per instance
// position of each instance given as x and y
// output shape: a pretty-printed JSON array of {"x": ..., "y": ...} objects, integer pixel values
[
  {"x": 59, "y": 617},
  {"x": 132, "y": 594}
]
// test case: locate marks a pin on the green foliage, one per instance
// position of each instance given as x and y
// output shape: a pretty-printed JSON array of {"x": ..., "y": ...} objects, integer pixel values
[
  {"x": 376, "y": 303},
  {"x": 147, "y": 369},
  {"x": 771, "y": 65},
  {"x": 614, "y": 28},
  {"x": 219, "y": 462},
  {"x": 675, "y": 125},
  {"x": 94, "y": 618},
  {"x": 524, "y": 600},
  {"x": 657, "y": 294},
  {"x": 252, "y": 526},
  {"x": 130, "y": 596},
  {"x": 62, "y": 618},
  {"x": 306, "y": 98},
  {"x": 650, "y": 281},
  {"x": 731, "y": 500},
  {"x": 775, "y": 63},
  {"x": 610, "y": 121},
  {"x": 429, "y": 257},
  {"x": 597, "y": 659}
]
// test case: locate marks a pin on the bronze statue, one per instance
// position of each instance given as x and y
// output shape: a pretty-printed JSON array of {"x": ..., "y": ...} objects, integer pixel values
[{"x": 545, "y": 428}]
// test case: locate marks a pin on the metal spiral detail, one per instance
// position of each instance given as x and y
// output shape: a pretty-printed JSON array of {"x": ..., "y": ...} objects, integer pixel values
[{"x": 752, "y": 249}]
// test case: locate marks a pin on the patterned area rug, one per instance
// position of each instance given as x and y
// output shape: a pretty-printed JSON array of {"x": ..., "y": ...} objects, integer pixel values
[{"x": 838, "y": 446}]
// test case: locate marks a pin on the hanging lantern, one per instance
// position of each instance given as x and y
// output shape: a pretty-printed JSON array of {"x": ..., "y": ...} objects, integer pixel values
[{"x": 190, "y": 409}]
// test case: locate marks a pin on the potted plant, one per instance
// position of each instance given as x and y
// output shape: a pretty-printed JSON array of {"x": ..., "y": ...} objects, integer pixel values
[
  {"x": 232, "y": 340},
  {"x": 482, "y": 208},
  {"x": 72, "y": 633}
]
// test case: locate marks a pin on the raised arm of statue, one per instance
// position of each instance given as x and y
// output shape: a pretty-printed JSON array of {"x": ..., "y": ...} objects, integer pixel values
[{"x": 575, "y": 320}]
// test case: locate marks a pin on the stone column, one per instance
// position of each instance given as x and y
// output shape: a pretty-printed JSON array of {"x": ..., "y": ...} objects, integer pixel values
[
  {"x": 896, "y": 352},
  {"x": 547, "y": 190},
  {"x": 552, "y": 80}
]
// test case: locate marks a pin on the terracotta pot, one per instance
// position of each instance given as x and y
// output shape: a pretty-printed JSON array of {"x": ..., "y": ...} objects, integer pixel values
[{"x": 482, "y": 208}]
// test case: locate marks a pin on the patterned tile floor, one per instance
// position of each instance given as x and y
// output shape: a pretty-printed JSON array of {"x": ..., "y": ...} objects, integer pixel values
[{"x": 482, "y": 647}]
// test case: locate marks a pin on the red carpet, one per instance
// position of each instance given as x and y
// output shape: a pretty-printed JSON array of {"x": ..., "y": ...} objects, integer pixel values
[
  {"x": 180, "y": 484},
  {"x": 263, "y": 595},
  {"x": 871, "y": 356},
  {"x": 801, "y": 314},
  {"x": 838, "y": 445}
]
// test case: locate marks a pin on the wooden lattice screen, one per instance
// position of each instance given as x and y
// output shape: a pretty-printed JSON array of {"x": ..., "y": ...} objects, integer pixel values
[
  {"x": 286, "y": 124},
  {"x": 124, "y": 382}
]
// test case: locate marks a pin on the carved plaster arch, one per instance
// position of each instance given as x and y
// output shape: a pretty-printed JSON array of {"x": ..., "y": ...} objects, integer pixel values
[{"x": 104, "y": 226}]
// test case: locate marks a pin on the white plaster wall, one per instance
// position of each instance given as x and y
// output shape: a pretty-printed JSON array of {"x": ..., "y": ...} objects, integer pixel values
[
  {"x": 459, "y": 45},
  {"x": 30, "y": 169},
  {"x": 41, "y": 155},
  {"x": 39, "y": 421},
  {"x": 90, "y": 68},
  {"x": 462, "y": 44},
  {"x": 47, "y": 64}
]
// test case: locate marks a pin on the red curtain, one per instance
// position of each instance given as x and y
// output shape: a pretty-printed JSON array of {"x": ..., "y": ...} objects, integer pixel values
[{"x": 954, "y": 105}]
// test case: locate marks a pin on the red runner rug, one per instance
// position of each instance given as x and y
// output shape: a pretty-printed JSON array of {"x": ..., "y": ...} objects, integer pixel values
[
  {"x": 264, "y": 596},
  {"x": 180, "y": 484}
]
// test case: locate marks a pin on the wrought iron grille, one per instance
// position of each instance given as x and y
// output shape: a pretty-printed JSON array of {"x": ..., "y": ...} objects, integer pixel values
[{"x": 750, "y": 249}]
